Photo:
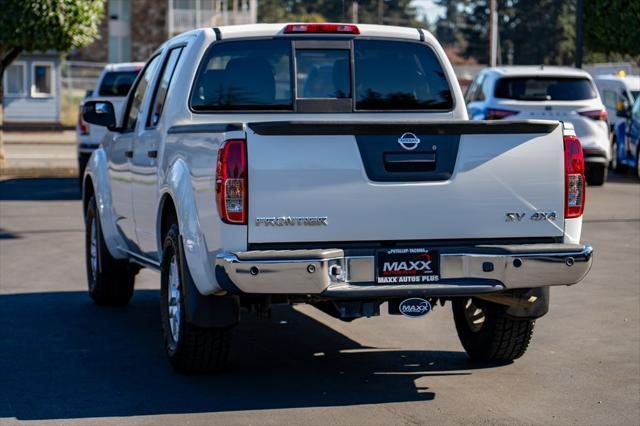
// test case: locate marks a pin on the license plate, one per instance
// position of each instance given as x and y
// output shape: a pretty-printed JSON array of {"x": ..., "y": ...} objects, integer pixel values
[{"x": 407, "y": 266}]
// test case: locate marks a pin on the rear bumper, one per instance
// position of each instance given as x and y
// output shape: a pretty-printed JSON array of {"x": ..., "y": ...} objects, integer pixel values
[
  {"x": 595, "y": 156},
  {"x": 332, "y": 274}
]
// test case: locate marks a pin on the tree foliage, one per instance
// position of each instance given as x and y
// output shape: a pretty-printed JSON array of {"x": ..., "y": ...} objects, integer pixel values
[
  {"x": 612, "y": 26},
  {"x": 542, "y": 31},
  {"x": 395, "y": 12},
  {"x": 530, "y": 31},
  {"x": 41, "y": 25}
]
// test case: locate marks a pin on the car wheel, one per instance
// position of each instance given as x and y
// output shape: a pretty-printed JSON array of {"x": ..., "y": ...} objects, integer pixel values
[
  {"x": 614, "y": 164},
  {"x": 596, "y": 174},
  {"x": 487, "y": 334},
  {"x": 110, "y": 280},
  {"x": 191, "y": 349}
]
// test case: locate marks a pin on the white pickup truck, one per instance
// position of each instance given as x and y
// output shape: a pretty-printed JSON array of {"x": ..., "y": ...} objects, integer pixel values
[{"x": 328, "y": 164}]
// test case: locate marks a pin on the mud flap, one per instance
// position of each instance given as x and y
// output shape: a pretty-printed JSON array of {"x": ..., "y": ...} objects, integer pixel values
[
  {"x": 532, "y": 303},
  {"x": 207, "y": 311}
]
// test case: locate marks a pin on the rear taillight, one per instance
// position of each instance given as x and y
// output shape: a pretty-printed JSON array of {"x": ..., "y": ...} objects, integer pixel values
[
  {"x": 321, "y": 28},
  {"x": 83, "y": 127},
  {"x": 598, "y": 115},
  {"x": 498, "y": 114},
  {"x": 574, "y": 186},
  {"x": 231, "y": 181}
]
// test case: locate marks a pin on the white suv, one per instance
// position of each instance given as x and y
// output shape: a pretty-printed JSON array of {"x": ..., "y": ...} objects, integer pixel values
[
  {"x": 113, "y": 85},
  {"x": 554, "y": 93}
]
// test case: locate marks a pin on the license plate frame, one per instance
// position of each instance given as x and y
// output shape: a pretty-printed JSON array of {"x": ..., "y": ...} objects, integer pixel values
[{"x": 407, "y": 266}]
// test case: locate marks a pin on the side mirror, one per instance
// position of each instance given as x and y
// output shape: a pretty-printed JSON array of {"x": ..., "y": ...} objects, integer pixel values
[
  {"x": 622, "y": 109},
  {"x": 100, "y": 113}
]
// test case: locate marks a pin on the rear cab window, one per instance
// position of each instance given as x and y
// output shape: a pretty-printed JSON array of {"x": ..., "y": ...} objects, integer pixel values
[
  {"x": 117, "y": 83},
  {"x": 341, "y": 75},
  {"x": 245, "y": 75},
  {"x": 545, "y": 88}
]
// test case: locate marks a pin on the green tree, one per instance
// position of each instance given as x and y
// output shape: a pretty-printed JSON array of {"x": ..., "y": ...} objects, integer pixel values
[
  {"x": 530, "y": 31},
  {"x": 612, "y": 26},
  {"x": 41, "y": 25},
  {"x": 448, "y": 28},
  {"x": 395, "y": 12}
]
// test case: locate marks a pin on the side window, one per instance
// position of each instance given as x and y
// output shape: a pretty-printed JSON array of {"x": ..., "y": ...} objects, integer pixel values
[
  {"x": 484, "y": 89},
  {"x": 475, "y": 90},
  {"x": 15, "y": 80},
  {"x": 162, "y": 87},
  {"x": 468, "y": 96},
  {"x": 135, "y": 102},
  {"x": 42, "y": 85},
  {"x": 635, "y": 112},
  {"x": 609, "y": 98}
]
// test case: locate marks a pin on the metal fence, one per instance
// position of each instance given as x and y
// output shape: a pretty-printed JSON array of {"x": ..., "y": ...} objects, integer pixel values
[{"x": 76, "y": 78}]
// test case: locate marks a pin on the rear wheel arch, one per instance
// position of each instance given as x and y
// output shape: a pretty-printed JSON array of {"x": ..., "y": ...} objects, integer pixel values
[
  {"x": 167, "y": 214},
  {"x": 88, "y": 191}
]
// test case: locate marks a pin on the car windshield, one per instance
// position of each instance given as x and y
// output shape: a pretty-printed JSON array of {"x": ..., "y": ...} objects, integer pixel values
[
  {"x": 544, "y": 89},
  {"x": 117, "y": 83}
]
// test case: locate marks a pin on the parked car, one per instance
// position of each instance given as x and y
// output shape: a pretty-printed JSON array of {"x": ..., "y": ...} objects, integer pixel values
[
  {"x": 112, "y": 85},
  {"x": 542, "y": 92},
  {"x": 626, "y": 140},
  {"x": 244, "y": 182},
  {"x": 618, "y": 92}
]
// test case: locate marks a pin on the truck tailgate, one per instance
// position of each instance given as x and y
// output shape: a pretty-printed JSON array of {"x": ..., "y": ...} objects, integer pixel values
[{"x": 352, "y": 181}]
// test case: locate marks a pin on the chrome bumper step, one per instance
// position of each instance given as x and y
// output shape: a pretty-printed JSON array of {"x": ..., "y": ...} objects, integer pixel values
[{"x": 334, "y": 274}]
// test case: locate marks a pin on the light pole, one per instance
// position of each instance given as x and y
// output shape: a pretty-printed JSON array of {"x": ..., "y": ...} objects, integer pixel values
[
  {"x": 579, "y": 30},
  {"x": 493, "y": 33}
]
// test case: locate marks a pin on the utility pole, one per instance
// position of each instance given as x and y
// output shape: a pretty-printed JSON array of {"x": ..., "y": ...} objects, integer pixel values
[
  {"x": 579, "y": 31},
  {"x": 493, "y": 33},
  {"x": 380, "y": 12},
  {"x": 354, "y": 11}
]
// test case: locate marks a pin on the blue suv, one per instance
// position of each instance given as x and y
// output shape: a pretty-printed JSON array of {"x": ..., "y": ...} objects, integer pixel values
[{"x": 626, "y": 141}]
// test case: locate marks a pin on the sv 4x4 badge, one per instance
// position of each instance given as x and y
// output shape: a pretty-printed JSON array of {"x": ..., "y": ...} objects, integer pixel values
[{"x": 535, "y": 216}]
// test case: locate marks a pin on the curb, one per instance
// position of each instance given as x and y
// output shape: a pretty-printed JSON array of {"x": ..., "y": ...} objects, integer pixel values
[{"x": 38, "y": 172}]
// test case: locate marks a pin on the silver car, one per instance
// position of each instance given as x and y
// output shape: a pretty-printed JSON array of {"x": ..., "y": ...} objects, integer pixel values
[{"x": 543, "y": 92}]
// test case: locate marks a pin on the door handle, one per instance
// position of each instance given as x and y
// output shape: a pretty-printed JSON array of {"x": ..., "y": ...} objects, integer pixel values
[
  {"x": 152, "y": 154},
  {"x": 414, "y": 162},
  {"x": 128, "y": 154}
]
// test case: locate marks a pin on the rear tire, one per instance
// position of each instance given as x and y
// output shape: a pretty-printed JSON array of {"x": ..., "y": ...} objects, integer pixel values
[
  {"x": 638, "y": 162},
  {"x": 110, "y": 280},
  {"x": 596, "y": 174},
  {"x": 614, "y": 164},
  {"x": 191, "y": 349},
  {"x": 487, "y": 334}
]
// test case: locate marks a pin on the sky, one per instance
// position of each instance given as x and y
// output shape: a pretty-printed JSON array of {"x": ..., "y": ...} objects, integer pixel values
[{"x": 430, "y": 10}]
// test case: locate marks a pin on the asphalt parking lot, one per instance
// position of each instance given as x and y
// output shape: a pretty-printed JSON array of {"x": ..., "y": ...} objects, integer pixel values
[{"x": 65, "y": 360}]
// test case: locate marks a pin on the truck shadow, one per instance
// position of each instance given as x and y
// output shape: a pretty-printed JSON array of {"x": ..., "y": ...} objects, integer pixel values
[
  {"x": 627, "y": 177},
  {"x": 64, "y": 357},
  {"x": 39, "y": 189}
]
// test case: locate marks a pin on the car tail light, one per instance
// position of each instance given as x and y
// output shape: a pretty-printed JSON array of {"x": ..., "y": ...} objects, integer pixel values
[
  {"x": 598, "y": 115},
  {"x": 83, "y": 127},
  {"x": 498, "y": 114},
  {"x": 321, "y": 28},
  {"x": 231, "y": 181},
  {"x": 574, "y": 186}
]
